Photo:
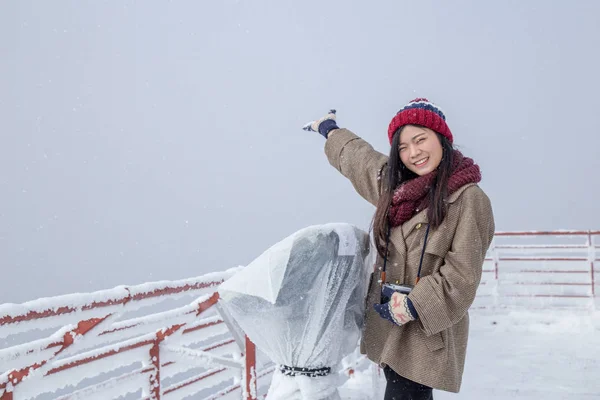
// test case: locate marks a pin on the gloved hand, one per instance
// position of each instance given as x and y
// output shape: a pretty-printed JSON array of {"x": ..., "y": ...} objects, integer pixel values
[
  {"x": 398, "y": 309},
  {"x": 323, "y": 125}
]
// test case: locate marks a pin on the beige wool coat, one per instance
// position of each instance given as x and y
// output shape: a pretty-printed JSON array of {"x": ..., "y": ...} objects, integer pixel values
[{"x": 432, "y": 349}]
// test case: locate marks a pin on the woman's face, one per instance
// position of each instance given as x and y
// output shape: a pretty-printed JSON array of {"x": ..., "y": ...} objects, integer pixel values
[{"x": 420, "y": 149}]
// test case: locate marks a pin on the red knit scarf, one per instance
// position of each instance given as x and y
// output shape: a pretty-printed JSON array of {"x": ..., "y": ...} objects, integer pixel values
[{"x": 413, "y": 195}]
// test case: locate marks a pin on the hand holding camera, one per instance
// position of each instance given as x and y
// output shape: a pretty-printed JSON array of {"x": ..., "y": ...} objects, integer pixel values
[{"x": 395, "y": 305}]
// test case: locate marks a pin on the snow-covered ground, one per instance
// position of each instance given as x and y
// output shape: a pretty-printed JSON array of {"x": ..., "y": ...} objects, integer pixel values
[{"x": 520, "y": 355}]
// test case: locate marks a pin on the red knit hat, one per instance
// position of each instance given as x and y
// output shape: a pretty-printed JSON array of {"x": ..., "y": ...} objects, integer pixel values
[{"x": 420, "y": 112}]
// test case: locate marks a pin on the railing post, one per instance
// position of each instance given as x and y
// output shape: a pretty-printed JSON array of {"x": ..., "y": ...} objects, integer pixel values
[
  {"x": 496, "y": 259},
  {"x": 7, "y": 395},
  {"x": 250, "y": 386},
  {"x": 154, "y": 382},
  {"x": 592, "y": 258},
  {"x": 154, "y": 389}
]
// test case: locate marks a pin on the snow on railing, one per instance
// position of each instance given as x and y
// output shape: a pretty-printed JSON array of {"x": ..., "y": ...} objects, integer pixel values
[
  {"x": 540, "y": 269},
  {"x": 96, "y": 355},
  {"x": 100, "y": 351}
]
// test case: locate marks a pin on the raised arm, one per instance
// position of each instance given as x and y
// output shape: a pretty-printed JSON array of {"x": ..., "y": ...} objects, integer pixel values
[
  {"x": 358, "y": 161},
  {"x": 352, "y": 156}
]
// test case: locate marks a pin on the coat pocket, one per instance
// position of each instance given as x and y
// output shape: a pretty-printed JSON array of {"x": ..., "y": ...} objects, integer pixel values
[
  {"x": 435, "y": 342},
  {"x": 431, "y": 263}
]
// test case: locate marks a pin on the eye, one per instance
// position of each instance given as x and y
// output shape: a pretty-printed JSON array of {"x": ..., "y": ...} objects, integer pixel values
[
  {"x": 420, "y": 140},
  {"x": 402, "y": 148}
]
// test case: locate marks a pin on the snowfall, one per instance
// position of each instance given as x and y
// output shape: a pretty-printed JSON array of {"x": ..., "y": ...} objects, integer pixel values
[
  {"x": 550, "y": 353},
  {"x": 518, "y": 355}
]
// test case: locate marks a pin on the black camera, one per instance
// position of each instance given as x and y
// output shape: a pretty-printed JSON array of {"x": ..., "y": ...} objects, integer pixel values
[{"x": 405, "y": 289}]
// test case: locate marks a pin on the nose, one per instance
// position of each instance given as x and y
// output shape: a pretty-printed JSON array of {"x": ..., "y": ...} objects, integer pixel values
[{"x": 414, "y": 151}]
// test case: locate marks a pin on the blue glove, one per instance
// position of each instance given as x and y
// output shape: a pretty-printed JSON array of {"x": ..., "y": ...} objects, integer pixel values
[
  {"x": 399, "y": 309},
  {"x": 323, "y": 125}
]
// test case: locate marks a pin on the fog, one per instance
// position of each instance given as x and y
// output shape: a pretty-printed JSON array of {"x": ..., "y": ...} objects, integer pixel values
[{"x": 156, "y": 140}]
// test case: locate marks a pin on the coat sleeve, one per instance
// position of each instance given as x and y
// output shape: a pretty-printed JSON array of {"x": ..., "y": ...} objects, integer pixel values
[
  {"x": 443, "y": 298},
  {"x": 358, "y": 161}
]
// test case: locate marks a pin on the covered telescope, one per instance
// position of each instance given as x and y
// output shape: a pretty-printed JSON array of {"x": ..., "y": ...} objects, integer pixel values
[{"x": 302, "y": 303}]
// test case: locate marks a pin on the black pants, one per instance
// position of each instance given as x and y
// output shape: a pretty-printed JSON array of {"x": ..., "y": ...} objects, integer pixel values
[{"x": 399, "y": 388}]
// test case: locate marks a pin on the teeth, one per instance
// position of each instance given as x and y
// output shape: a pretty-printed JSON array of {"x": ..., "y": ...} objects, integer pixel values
[{"x": 421, "y": 161}]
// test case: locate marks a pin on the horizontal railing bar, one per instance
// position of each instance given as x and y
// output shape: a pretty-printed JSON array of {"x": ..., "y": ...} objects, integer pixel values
[
  {"x": 504, "y": 307},
  {"x": 203, "y": 358},
  {"x": 66, "y": 336},
  {"x": 86, "y": 360},
  {"x": 196, "y": 307},
  {"x": 203, "y": 326},
  {"x": 547, "y": 233},
  {"x": 549, "y": 295},
  {"x": 118, "y": 296},
  {"x": 264, "y": 372},
  {"x": 52, "y": 312},
  {"x": 525, "y": 271},
  {"x": 193, "y": 380},
  {"x": 109, "y": 383},
  {"x": 546, "y": 283},
  {"x": 543, "y": 259},
  {"x": 146, "y": 340},
  {"x": 501, "y": 282},
  {"x": 109, "y": 353},
  {"x": 221, "y": 344},
  {"x": 541, "y": 246}
]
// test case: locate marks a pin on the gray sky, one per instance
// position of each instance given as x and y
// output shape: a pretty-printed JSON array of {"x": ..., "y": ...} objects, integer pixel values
[{"x": 161, "y": 139}]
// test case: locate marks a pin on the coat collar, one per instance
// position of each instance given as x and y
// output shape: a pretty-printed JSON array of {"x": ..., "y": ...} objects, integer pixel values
[{"x": 421, "y": 217}]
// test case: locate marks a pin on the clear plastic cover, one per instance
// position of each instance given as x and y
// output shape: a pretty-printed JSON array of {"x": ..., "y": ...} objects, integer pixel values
[{"x": 302, "y": 303}]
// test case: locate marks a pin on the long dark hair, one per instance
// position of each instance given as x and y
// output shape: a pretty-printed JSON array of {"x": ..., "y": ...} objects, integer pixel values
[{"x": 395, "y": 174}]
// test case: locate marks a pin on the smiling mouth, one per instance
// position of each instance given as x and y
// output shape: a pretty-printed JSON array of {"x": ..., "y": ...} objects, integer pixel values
[{"x": 422, "y": 162}]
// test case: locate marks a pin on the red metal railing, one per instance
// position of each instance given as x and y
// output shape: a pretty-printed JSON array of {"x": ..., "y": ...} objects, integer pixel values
[
  {"x": 537, "y": 269},
  {"x": 150, "y": 352},
  {"x": 164, "y": 351}
]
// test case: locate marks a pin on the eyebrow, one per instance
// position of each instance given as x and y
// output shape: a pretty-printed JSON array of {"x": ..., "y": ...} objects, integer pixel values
[{"x": 414, "y": 137}]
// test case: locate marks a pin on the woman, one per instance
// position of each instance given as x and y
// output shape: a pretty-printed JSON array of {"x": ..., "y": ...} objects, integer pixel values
[{"x": 432, "y": 227}]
